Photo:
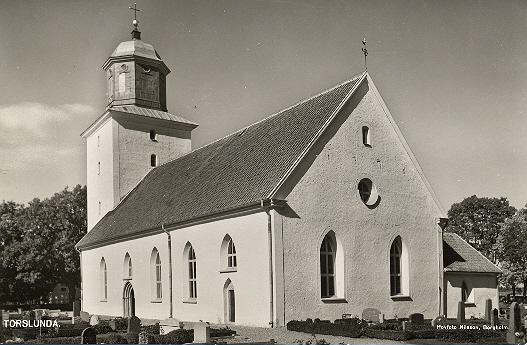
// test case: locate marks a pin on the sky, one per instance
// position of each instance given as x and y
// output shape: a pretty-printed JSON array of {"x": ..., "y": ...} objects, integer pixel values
[{"x": 453, "y": 74}]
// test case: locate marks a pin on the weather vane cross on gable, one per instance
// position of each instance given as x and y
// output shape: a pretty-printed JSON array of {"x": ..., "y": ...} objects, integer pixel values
[
  {"x": 135, "y": 9},
  {"x": 365, "y": 51}
]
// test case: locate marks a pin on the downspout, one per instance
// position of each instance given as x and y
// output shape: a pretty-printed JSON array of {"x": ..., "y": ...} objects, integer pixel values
[
  {"x": 442, "y": 222},
  {"x": 80, "y": 266},
  {"x": 270, "y": 242},
  {"x": 169, "y": 240}
]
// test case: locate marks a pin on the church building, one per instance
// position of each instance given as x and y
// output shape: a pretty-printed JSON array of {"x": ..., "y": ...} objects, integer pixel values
[{"x": 316, "y": 211}]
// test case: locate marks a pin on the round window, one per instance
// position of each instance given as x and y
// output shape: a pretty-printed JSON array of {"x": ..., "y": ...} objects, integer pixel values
[{"x": 368, "y": 193}]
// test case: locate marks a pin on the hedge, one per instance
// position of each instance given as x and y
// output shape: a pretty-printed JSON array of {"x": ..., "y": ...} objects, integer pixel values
[
  {"x": 352, "y": 328},
  {"x": 178, "y": 336}
]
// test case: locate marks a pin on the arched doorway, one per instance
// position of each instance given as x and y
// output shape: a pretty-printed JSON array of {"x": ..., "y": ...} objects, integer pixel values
[
  {"x": 128, "y": 300},
  {"x": 229, "y": 302}
]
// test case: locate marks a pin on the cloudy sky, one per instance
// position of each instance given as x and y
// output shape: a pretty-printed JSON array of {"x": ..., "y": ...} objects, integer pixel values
[{"x": 453, "y": 73}]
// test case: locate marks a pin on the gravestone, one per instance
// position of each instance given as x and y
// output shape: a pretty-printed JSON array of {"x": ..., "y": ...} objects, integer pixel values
[
  {"x": 371, "y": 315},
  {"x": 514, "y": 323},
  {"x": 85, "y": 316},
  {"x": 460, "y": 312},
  {"x": 76, "y": 308},
  {"x": 488, "y": 309},
  {"x": 134, "y": 325},
  {"x": 381, "y": 318},
  {"x": 405, "y": 325},
  {"x": 89, "y": 336},
  {"x": 113, "y": 324},
  {"x": 439, "y": 319},
  {"x": 417, "y": 318},
  {"x": 494, "y": 317},
  {"x": 19, "y": 311},
  {"x": 201, "y": 333},
  {"x": 94, "y": 320}
]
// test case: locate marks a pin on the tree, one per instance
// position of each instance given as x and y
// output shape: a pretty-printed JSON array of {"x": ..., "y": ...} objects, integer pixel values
[
  {"x": 44, "y": 255},
  {"x": 9, "y": 233},
  {"x": 513, "y": 246},
  {"x": 478, "y": 221}
]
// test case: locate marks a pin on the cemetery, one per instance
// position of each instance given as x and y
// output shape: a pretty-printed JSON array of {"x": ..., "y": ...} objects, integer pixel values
[{"x": 92, "y": 329}]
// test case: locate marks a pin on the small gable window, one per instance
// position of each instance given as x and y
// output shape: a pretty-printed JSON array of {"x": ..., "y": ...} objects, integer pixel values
[
  {"x": 368, "y": 193},
  {"x": 153, "y": 135},
  {"x": 98, "y": 168},
  {"x": 153, "y": 160},
  {"x": 366, "y": 136}
]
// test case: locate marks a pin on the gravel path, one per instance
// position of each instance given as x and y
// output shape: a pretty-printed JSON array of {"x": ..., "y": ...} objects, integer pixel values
[{"x": 282, "y": 336}]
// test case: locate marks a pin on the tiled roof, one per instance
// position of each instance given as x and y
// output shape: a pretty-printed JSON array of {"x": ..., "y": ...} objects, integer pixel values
[
  {"x": 158, "y": 114},
  {"x": 235, "y": 171},
  {"x": 459, "y": 256}
]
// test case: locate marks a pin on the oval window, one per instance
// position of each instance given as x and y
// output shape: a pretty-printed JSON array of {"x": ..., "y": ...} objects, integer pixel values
[{"x": 368, "y": 193}]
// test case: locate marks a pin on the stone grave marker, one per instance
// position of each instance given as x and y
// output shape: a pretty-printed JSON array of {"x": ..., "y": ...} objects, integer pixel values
[
  {"x": 381, "y": 318},
  {"x": 371, "y": 315},
  {"x": 405, "y": 325},
  {"x": 85, "y": 316},
  {"x": 417, "y": 318},
  {"x": 134, "y": 325},
  {"x": 488, "y": 309},
  {"x": 113, "y": 324},
  {"x": 494, "y": 317},
  {"x": 76, "y": 308},
  {"x": 438, "y": 320},
  {"x": 514, "y": 322},
  {"x": 460, "y": 312},
  {"x": 201, "y": 333},
  {"x": 94, "y": 320},
  {"x": 89, "y": 336}
]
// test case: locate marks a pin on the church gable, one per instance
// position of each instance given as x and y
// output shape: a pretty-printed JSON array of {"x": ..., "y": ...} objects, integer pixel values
[{"x": 359, "y": 182}]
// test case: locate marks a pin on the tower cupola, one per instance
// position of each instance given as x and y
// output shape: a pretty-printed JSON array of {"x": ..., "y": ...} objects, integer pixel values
[{"x": 136, "y": 74}]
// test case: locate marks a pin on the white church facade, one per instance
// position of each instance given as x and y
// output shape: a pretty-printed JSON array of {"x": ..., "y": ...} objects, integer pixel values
[{"x": 316, "y": 211}]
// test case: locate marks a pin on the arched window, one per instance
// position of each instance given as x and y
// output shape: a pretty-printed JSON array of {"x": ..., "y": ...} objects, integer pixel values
[
  {"x": 104, "y": 280},
  {"x": 127, "y": 267},
  {"x": 155, "y": 275},
  {"x": 228, "y": 254},
  {"x": 153, "y": 160},
  {"x": 366, "y": 138},
  {"x": 192, "y": 282},
  {"x": 327, "y": 267},
  {"x": 399, "y": 268},
  {"x": 395, "y": 267}
]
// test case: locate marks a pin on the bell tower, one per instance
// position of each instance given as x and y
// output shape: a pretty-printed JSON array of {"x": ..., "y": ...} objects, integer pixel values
[
  {"x": 136, "y": 133},
  {"x": 136, "y": 74}
]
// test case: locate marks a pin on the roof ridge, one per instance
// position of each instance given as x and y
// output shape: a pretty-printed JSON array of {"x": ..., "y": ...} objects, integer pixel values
[{"x": 279, "y": 112}]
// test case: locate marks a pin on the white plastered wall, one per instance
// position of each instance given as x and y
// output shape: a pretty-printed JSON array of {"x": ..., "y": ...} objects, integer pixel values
[{"x": 250, "y": 281}]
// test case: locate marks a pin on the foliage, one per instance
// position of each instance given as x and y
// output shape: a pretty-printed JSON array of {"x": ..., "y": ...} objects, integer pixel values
[
  {"x": 37, "y": 245},
  {"x": 478, "y": 221},
  {"x": 513, "y": 248},
  {"x": 221, "y": 332}
]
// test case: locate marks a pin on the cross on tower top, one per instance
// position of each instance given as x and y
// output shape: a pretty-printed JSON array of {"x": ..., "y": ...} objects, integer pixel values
[
  {"x": 136, "y": 34},
  {"x": 365, "y": 52}
]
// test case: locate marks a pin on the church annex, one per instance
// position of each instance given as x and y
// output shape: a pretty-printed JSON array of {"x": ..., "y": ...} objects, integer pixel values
[{"x": 316, "y": 211}]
